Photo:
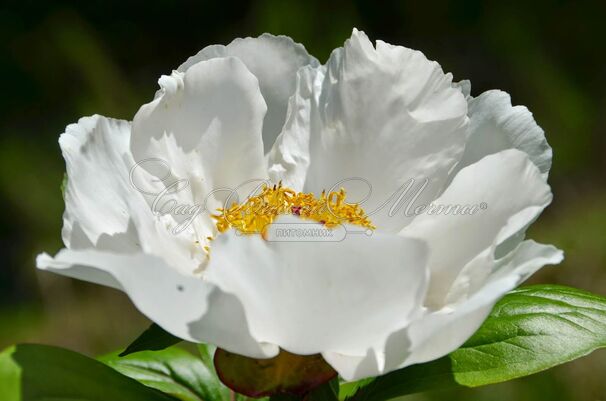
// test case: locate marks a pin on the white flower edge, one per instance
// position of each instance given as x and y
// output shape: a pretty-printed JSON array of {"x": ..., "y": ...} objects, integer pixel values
[{"x": 496, "y": 125}]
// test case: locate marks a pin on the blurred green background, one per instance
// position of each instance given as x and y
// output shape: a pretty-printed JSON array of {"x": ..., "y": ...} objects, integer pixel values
[{"x": 62, "y": 60}]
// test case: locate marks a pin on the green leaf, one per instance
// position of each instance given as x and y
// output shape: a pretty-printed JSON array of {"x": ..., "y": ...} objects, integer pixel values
[
  {"x": 207, "y": 351},
  {"x": 172, "y": 371},
  {"x": 155, "y": 338},
  {"x": 44, "y": 373},
  {"x": 530, "y": 330},
  {"x": 348, "y": 389},
  {"x": 284, "y": 374}
]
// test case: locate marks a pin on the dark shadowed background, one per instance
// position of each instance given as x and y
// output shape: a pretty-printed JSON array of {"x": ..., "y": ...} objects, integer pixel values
[{"x": 62, "y": 60}]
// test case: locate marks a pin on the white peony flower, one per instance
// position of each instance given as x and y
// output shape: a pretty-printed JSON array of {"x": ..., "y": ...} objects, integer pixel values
[{"x": 408, "y": 283}]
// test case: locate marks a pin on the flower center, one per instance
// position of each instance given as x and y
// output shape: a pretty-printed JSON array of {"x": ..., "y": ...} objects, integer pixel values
[{"x": 256, "y": 214}]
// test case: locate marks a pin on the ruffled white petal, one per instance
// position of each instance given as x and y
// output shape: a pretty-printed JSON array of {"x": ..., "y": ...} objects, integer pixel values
[
  {"x": 496, "y": 125},
  {"x": 104, "y": 210},
  {"x": 187, "y": 307},
  {"x": 213, "y": 113},
  {"x": 514, "y": 193},
  {"x": 289, "y": 158},
  {"x": 443, "y": 331},
  {"x": 98, "y": 190},
  {"x": 355, "y": 367},
  {"x": 274, "y": 60},
  {"x": 385, "y": 115},
  {"x": 309, "y": 297},
  {"x": 437, "y": 333},
  {"x": 465, "y": 87}
]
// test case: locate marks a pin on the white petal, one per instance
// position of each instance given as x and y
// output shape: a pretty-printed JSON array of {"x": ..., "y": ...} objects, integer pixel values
[
  {"x": 274, "y": 60},
  {"x": 465, "y": 87},
  {"x": 187, "y": 307},
  {"x": 98, "y": 188},
  {"x": 438, "y": 333},
  {"x": 104, "y": 210},
  {"x": 496, "y": 125},
  {"x": 156, "y": 236},
  {"x": 526, "y": 259},
  {"x": 514, "y": 193},
  {"x": 289, "y": 158},
  {"x": 352, "y": 367},
  {"x": 387, "y": 357},
  {"x": 178, "y": 195},
  {"x": 441, "y": 332},
  {"x": 385, "y": 115},
  {"x": 310, "y": 297},
  {"x": 214, "y": 112}
]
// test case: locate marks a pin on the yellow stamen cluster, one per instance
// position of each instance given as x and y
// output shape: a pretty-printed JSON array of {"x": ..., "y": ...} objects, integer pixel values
[{"x": 256, "y": 214}]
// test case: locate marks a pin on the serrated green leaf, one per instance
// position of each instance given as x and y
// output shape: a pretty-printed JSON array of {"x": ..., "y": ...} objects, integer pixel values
[
  {"x": 172, "y": 371},
  {"x": 530, "y": 330},
  {"x": 40, "y": 372},
  {"x": 155, "y": 338}
]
